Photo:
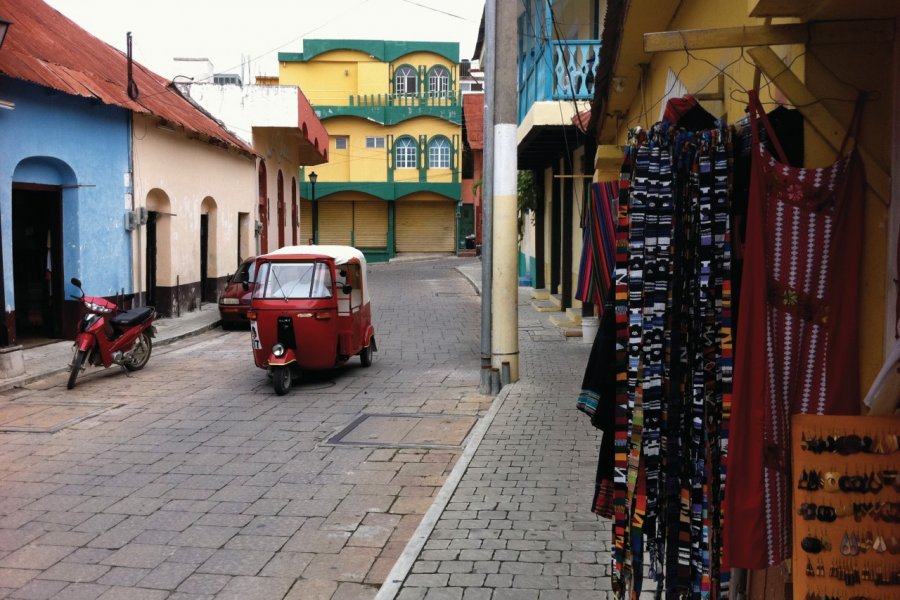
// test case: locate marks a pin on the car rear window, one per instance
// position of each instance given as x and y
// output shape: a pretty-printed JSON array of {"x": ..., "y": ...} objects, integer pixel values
[{"x": 247, "y": 267}]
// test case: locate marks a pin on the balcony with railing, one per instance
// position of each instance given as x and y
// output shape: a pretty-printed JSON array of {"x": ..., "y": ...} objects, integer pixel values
[
  {"x": 557, "y": 70},
  {"x": 390, "y": 109}
]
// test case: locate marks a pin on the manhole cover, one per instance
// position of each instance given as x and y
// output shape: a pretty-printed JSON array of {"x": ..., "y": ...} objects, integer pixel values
[
  {"x": 406, "y": 431},
  {"x": 46, "y": 417}
]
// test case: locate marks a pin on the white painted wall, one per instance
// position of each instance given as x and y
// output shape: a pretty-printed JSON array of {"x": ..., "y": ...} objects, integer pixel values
[{"x": 188, "y": 172}]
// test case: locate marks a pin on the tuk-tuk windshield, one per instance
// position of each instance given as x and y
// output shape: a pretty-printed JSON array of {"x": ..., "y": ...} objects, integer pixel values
[{"x": 288, "y": 280}]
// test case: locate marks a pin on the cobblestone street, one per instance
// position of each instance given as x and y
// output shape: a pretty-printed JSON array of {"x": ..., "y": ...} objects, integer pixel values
[{"x": 192, "y": 479}]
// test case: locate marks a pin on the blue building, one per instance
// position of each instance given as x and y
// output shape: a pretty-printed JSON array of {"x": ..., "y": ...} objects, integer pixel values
[
  {"x": 67, "y": 206},
  {"x": 64, "y": 162}
]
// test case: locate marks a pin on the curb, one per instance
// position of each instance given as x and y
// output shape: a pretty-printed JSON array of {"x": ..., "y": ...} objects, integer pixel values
[
  {"x": 394, "y": 580},
  {"x": 26, "y": 379}
]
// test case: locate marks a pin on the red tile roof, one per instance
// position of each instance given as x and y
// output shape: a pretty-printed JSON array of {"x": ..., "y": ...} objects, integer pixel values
[
  {"x": 46, "y": 48},
  {"x": 473, "y": 113}
]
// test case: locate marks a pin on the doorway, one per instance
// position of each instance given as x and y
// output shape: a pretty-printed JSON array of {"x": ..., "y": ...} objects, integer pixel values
[
  {"x": 204, "y": 258},
  {"x": 37, "y": 262},
  {"x": 152, "y": 217}
]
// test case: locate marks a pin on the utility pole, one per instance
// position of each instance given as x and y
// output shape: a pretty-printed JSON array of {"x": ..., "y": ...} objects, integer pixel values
[
  {"x": 487, "y": 196},
  {"x": 504, "y": 296}
]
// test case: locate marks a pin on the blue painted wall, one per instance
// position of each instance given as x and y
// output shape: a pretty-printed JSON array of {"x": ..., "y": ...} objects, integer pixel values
[{"x": 52, "y": 138}]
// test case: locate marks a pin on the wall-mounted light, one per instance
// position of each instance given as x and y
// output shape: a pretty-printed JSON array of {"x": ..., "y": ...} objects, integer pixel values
[{"x": 4, "y": 28}]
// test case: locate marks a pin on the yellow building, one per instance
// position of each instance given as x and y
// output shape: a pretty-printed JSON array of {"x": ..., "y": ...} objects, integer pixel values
[{"x": 393, "y": 116}]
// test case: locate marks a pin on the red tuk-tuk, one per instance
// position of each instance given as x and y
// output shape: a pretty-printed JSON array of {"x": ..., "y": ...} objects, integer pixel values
[{"x": 310, "y": 311}]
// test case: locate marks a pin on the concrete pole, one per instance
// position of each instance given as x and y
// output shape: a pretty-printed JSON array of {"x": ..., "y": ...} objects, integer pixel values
[
  {"x": 505, "y": 330},
  {"x": 487, "y": 195}
]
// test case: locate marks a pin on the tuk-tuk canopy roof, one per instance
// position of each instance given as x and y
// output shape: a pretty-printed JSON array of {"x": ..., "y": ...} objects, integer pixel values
[{"x": 340, "y": 254}]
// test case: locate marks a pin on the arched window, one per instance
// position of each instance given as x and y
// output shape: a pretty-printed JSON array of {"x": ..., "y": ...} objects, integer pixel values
[
  {"x": 438, "y": 82},
  {"x": 405, "y": 81},
  {"x": 439, "y": 153},
  {"x": 405, "y": 153}
]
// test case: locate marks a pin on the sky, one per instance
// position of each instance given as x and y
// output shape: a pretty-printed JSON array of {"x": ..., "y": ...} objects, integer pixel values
[{"x": 244, "y": 37}]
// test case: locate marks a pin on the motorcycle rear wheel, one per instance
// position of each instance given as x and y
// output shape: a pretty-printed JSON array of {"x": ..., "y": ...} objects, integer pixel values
[
  {"x": 77, "y": 365},
  {"x": 140, "y": 353}
]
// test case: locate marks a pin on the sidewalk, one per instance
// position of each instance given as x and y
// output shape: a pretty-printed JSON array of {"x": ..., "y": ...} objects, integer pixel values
[
  {"x": 54, "y": 358},
  {"x": 513, "y": 521}
]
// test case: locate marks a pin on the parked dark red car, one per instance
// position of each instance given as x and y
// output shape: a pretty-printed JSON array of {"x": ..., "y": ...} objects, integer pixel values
[{"x": 235, "y": 299}]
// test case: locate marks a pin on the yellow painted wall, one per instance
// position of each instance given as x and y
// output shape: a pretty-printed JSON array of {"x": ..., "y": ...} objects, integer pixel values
[
  {"x": 331, "y": 78},
  {"x": 373, "y": 78},
  {"x": 359, "y": 163},
  {"x": 576, "y": 232},
  {"x": 831, "y": 72}
]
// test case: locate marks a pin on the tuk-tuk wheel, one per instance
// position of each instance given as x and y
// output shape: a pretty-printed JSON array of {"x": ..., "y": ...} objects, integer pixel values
[
  {"x": 282, "y": 378},
  {"x": 365, "y": 355}
]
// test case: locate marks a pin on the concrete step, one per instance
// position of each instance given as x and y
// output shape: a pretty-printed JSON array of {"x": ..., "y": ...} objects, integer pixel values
[
  {"x": 574, "y": 314},
  {"x": 540, "y": 294},
  {"x": 557, "y": 300},
  {"x": 562, "y": 320},
  {"x": 544, "y": 306}
]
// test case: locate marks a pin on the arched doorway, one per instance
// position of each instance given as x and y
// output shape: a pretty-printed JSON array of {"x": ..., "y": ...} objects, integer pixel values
[
  {"x": 158, "y": 249},
  {"x": 208, "y": 286},
  {"x": 281, "y": 219},
  {"x": 37, "y": 216},
  {"x": 263, "y": 206}
]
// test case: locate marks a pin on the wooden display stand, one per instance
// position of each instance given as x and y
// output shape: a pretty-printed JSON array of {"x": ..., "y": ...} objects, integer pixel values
[{"x": 852, "y": 563}]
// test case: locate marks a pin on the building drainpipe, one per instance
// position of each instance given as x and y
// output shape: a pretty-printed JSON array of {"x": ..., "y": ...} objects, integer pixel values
[
  {"x": 487, "y": 190},
  {"x": 137, "y": 261},
  {"x": 504, "y": 299}
]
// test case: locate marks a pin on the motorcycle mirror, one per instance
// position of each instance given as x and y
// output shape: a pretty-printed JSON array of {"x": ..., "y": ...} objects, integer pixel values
[
  {"x": 76, "y": 282},
  {"x": 347, "y": 288}
]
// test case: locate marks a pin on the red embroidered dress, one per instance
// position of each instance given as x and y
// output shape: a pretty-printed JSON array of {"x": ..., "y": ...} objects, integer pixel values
[{"x": 797, "y": 336}]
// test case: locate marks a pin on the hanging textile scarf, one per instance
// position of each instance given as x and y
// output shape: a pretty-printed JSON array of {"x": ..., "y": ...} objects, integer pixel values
[
  {"x": 674, "y": 375},
  {"x": 620, "y": 579},
  {"x": 598, "y": 252}
]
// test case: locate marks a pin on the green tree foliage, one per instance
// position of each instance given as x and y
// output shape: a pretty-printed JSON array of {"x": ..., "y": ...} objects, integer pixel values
[{"x": 527, "y": 197}]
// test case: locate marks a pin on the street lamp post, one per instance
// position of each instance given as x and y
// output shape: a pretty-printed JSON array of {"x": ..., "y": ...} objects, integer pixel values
[{"x": 315, "y": 207}]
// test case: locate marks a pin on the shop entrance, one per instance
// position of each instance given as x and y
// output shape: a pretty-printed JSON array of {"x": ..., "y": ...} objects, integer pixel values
[{"x": 37, "y": 263}]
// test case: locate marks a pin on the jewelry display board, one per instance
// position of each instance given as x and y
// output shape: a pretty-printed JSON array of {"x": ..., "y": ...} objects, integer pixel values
[{"x": 846, "y": 506}]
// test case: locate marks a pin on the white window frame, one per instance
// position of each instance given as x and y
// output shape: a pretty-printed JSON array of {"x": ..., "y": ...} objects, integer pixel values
[
  {"x": 375, "y": 142},
  {"x": 439, "y": 153},
  {"x": 402, "y": 78},
  {"x": 405, "y": 152},
  {"x": 338, "y": 139},
  {"x": 439, "y": 82}
]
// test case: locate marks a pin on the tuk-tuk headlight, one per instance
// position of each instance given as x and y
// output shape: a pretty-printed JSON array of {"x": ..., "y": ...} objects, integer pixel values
[{"x": 278, "y": 350}]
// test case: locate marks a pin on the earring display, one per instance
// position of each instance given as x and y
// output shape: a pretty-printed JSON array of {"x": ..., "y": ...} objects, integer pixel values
[{"x": 846, "y": 503}]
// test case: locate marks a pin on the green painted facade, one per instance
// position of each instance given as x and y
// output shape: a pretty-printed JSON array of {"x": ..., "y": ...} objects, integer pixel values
[
  {"x": 389, "y": 191},
  {"x": 383, "y": 50},
  {"x": 391, "y": 115}
]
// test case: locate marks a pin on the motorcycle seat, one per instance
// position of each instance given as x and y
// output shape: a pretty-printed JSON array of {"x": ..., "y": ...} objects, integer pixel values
[{"x": 132, "y": 317}]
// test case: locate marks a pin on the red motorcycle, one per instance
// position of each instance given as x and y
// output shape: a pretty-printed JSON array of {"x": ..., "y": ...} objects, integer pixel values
[{"x": 123, "y": 339}]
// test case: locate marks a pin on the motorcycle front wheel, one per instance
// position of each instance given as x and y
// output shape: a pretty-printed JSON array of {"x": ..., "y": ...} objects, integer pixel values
[
  {"x": 282, "y": 378},
  {"x": 77, "y": 365},
  {"x": 140, "y": 353}
]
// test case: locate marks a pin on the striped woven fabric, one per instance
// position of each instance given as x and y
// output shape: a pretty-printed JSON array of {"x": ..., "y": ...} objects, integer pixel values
[{"x": 598, "y": 252}]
